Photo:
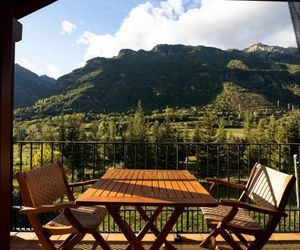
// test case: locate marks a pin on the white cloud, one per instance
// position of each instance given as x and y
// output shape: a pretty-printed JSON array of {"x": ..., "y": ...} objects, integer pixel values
[
  {"x": 81, "y": 64},
  {"x": 47, "y": 69},
  {"x": 30, "y": 66},
  {"x": 67, "y": 27},
  {"x": 218, "y": 23},
  {"x": 53, "y": 71}
]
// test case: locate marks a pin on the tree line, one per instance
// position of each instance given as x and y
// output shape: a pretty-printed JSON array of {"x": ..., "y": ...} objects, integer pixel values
[{"x": 137, "y": 129}]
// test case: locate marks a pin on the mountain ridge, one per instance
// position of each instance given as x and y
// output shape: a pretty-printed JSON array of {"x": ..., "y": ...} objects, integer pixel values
[
  {"x": 29, "y": 87},
  {"x": 174, "y": 76}
]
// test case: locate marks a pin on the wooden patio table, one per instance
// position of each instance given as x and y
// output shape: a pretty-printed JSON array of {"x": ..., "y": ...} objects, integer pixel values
[{"x": 139, "y": 188}]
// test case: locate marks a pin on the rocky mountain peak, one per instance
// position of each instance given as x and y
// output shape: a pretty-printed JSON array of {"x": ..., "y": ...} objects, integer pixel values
[{"x": 260, "y": 47}]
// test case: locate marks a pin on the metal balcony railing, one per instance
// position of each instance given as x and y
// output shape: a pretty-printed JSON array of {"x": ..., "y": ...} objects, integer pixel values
[{"x": 90, "y": 160}]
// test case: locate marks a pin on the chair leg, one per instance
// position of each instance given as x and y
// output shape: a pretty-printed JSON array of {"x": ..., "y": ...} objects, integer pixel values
[
  {"x": 228, "y": 238},
  {"x": 70, "y": 237},
  {"x": 242, "y": 239},
  {"x": 45, "y": 241},
  {"x": 73, "y": 241},
  {"x": 102, "y": 242},
  {"x": 256, "y": 245},
  {"x": 94, "y": 247},
  {"x": 209, "y": 238}
]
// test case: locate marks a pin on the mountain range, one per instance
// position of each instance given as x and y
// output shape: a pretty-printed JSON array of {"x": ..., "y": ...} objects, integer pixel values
[
  {"x": 29, "y": 87},
  {"x": 167, "y": 75}
]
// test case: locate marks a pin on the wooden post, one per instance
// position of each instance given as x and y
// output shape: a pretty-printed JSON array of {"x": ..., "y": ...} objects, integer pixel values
[{"x": 10, "y": 30}]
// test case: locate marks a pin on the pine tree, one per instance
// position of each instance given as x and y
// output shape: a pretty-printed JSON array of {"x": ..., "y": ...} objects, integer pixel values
[
  {"x": 62, "y": 128},
  {"x": 137, "y": 128},
  {"x": 70, "y": 130},
  {"x": 248, "y": 127},
  {"x": 206, "y": 129},
  {"x": 221, "y": 134},
  {"x": 272, "y": 128},
  {"x": 186, "y": 137}
]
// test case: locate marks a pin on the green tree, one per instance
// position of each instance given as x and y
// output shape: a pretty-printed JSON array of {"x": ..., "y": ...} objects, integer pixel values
[
  {"x": 248, "y": 127},
  {"x": 137, "y": 128},
  {"x": 166, "y": 133},
  {"x": 272, "y": 129},
  {"x": 44, "y": 155},
  {"x": 62, "y": 128},
  {"x": 221, "y": 133},
  {"x": 206, "y": 129},
  {"x": 70, "y": 130},
  {"x": 185, "y": 136},
  {"x": 236, "y": 64},
  {"x": 47, "y": 132}
]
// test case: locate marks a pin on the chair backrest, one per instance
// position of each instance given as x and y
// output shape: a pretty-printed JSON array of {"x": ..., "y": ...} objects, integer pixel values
[
  {"x": 44, "y": 185},
  {"x": 268, "y": 187}
]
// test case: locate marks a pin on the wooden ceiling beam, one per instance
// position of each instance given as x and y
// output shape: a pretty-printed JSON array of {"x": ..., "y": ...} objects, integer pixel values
[{"x": 26, "y": 7}]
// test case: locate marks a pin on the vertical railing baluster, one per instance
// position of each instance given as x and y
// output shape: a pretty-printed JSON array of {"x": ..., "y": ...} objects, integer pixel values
[
  {"x": 218, "y": 169},
  {"x": 73, "y": 162},
  {"x": 197, "y": 161},
  {"x": 94, "y": 160},
  {"x": 289, "y": 199},
  {"x": 135, "y": 156},
  {"x": 239, "y": 167},
  {"x": 207, "y": 160},
  {"x": 31, "y": 151},
  {"x": 125, "y": 155},
  {"x": 145, "y": 155},
  {"x": 21, "y": 156},
  {"x": 156, "y": 155},
  {"x": 279, "y": 158},
  {"x": 227, "y": 170},
  {"x": 104, "y": 157},
  {"x": 249, "y": 158},
  {"x": 177, "y": 156},
  {"x": 83, "y": 163},
  {"x": 42, "y": 153},
  {"x": 62, "y": 153},
  {"x": 52, "y": 153},
  {"x": 167, "y": 156},
  {"x": 186, "y": 157},
  {"x": 114, "y": 155}
]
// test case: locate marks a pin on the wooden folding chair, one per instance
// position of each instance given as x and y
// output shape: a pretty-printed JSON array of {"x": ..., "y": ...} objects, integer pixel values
[
  {"x": 41, "y": 191},
  {"x": 268, "y": 191}
]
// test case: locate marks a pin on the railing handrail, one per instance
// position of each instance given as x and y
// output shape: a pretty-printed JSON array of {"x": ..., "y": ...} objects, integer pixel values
[{"x": 158, "y": 143}]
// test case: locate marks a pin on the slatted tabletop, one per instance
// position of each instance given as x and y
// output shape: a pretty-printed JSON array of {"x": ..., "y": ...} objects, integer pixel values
[{"x": 147, "y": 187}]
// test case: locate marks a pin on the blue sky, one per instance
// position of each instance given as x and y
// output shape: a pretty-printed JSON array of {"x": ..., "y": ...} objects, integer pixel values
[{"x": 62, "y": 36}]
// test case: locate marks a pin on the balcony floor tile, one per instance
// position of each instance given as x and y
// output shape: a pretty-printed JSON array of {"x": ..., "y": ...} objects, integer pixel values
[{"x": 29, "y": 241}]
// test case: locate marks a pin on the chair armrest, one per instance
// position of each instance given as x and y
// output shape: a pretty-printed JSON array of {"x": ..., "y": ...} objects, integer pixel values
[
  {"x": 225, "y": 183},
  {"x": 252, "y": 207},
  {"x": 215, "y": 182},
  {"x": 47, "y": 208},
  {"x": 82, "y": 183}
]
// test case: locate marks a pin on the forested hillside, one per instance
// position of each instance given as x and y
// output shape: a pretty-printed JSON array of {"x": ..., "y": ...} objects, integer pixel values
[
  {"x": 29, "y": 87},
  {"x": 177, "y": 76}
]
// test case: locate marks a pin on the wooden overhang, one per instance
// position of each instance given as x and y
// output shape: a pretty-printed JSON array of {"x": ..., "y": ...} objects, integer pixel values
[
  {"x": 10, "y": 32},
  {"x": 26, "y": 7}
]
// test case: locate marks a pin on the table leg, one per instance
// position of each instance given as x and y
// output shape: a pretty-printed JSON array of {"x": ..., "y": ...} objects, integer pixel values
[
  {"x": 167, "y": 228},
  {"x": 149, "y": 223},
  {"x": 125, "y": 228},
  {"x": 151, "y": 226}
]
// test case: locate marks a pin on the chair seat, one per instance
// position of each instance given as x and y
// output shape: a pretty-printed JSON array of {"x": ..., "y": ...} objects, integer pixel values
[
  {"x": 242, "y": 219},
  {"x": 89, "y": 217}
]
